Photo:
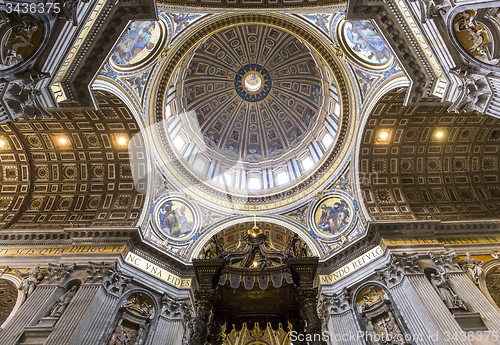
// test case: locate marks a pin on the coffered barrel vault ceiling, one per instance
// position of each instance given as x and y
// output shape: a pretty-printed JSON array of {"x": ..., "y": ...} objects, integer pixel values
[
  {"x": 425, "y": 163},
  {"x": 72, "y": 170}
]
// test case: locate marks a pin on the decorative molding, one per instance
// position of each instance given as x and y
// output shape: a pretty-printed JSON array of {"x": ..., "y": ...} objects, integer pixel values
[
  {"x": 174, "y": 309},
  {"x": 334, "y": 304},
  {"x": 57, "y": 273},
  {"x": 115, "y": 282},
  {"x": 276, "y": 5},
  {"x": 476, "y": 92},
  {"x": 445, "y": 261},
  {"x": 96, "y": 272}
]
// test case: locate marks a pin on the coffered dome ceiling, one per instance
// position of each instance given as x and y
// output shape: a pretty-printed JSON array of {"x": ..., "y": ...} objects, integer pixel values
[
  {"x": 256, "y": 92},
  {"x": 255, "y": 108}
]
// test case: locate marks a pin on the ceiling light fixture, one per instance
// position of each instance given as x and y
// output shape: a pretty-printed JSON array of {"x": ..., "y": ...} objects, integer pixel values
[
  {"x": 439, "y": 134},
  {"x": 383, "y": 135},
  {"x": 2, "y": 143},
  {"x": 122, "y": 140},
  {"x": 63, "y": 141}
]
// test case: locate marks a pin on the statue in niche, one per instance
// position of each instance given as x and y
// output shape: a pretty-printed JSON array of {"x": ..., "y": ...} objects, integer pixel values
[
  {"x": 31, "y": 279},
  {"x": 133, "y": 321},
  {"x": 472, "y": 267},
  {"x": 123, "y": 336},
  {"x": 379, "y": 318},
  {"x": 369, "y": 297},
  {"x": 445, "y": 291},
  {"x": 62, "y": 303}
]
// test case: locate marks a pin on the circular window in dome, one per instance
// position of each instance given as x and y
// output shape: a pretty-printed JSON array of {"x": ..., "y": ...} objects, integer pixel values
[{"x": 253, "y": 82}]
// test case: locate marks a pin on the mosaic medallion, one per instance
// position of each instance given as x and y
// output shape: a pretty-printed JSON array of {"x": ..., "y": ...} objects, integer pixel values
[
  {"x": 138, "y": 44},
  {"x": 175, "y": 218},
  {"x": 332, "y": 216},
  {"x": 364, "y": 44}
]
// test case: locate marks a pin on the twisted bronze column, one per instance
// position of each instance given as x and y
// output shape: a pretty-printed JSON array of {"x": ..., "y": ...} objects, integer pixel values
[{"x": 204, "y": 300}]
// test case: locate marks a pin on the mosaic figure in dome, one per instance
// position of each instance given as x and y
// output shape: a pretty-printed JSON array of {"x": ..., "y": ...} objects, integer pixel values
[
  {"x": 174, "y": 219},
  {"x": 366, "y": 42},
  {"x": 137, "y": 43},
  {"x": 334, "y": 218}
]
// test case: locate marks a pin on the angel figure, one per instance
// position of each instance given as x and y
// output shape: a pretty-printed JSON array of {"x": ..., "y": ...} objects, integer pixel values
[{"x": 31, "y": 278}]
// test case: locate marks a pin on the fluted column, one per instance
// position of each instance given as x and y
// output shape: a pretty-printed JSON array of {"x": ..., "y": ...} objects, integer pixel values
[
  {"x": 70, "y": 319},
  {"x": 168, "y": 332},
  {"x": 345, "y": 329},
  {"x": 102, "y": 308},
  {"x": 416, "y": 317},
  {"x": 173, "y": 321},
  {"x": 417, "y": 303},
  {"x": 470, "y": 293},
  {"x": 95, "y": 319},
  {"x": 25, "y": 314},
  {"x": 339, "y": 319},
  {"x": 438, "y": 311}
]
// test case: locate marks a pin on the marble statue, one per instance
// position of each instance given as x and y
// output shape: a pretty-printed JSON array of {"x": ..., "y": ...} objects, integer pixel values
[
  {"x": 472, "y": 267},
  {"x": 445, "y": 291},
  {"x": 31, "y": 278},
  {"x": 62, "y": 303}
]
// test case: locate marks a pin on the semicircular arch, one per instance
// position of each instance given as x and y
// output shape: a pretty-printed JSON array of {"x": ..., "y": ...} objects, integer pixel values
[{"x": 203, "y": 239}]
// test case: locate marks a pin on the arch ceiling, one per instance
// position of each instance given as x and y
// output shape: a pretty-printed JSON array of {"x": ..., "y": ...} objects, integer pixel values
[
  {"x": 72, "y": 170},
  {"x": 421, "y": 163},
  {"x": 278, "y": 235}
]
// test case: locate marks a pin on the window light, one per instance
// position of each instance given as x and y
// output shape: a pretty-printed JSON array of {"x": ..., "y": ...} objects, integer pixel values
[
  {"x": 307, "y": 163},
  {"x": 179, "y": 143},
  {"x": 254, "y": 183},
  {"x": 282, "y": 177},
  {"x": 327, "y": 140}
]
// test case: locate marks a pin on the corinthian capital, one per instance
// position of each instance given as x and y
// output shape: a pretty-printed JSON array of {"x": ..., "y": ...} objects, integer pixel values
[
  {"x": 334, "y": 304},
  {"x": 446, "y": 261},
  {"x": 398, "y": 266},
  {"x": 172, "y": 308},
  {"x": 58, "y": 273},
  {"x": 115, "y": 282}
]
